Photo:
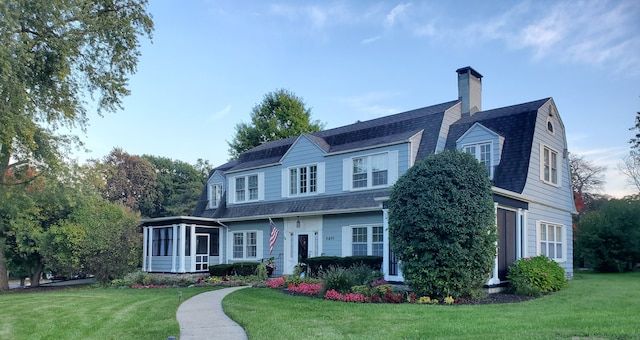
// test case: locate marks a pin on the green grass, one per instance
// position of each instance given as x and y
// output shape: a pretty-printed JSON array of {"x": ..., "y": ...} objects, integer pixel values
[
  {"x": 592, "y": 306},
  {"x": 93, "y": 313}
]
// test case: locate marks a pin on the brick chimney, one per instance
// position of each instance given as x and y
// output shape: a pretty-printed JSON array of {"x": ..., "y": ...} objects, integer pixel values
[{"x": 469, "y": 90}]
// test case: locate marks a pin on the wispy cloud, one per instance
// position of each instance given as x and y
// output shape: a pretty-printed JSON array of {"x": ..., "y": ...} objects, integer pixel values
[
  {"x": 370, "y": 40},
  {"x": 395, "y": 14},
  {"x": 367, "y": 106},
  {"x": 220, "y": 114},
  {"x": 318, "y": 16}
]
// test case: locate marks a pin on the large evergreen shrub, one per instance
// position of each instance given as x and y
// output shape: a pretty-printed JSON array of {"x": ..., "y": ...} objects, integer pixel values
[{"x": 441, "y": 225}]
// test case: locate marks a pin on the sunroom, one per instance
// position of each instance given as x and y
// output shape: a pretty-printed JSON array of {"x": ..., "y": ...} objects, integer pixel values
[{"x": 180, "y": 244}]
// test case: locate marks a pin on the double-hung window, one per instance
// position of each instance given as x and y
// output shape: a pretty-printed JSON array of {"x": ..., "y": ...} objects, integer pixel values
[
  {"x": 364, "y": 240},
  {"x": 370, "y": 171},
  {"x": 550, "y": 173},
  {"x": 551, "y": 241},
  {"x": 481, "y": 152},
  {"x": 246, "y": 188},
  {"x": 215, "y": 194},
  {"x": 303, "y": 180},
  {"x": 245, "y": 245}
]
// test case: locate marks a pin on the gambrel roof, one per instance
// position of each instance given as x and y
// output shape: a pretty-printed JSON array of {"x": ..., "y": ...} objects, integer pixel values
[{"x": 515, "y": 123}]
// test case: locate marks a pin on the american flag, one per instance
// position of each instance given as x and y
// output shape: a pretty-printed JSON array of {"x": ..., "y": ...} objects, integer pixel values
[{"x": 274, "y": 236}]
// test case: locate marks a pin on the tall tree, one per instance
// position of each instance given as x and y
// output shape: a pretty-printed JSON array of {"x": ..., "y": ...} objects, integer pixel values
[
  {"x": 281, "y": 114},
  {"x": 178, "y": 186},
  {"x": 129, "y": 180},
  {"x": 630, "y": 167},
  {"x": 52, "y": 54},
  {"x": 587, "y": 178}
]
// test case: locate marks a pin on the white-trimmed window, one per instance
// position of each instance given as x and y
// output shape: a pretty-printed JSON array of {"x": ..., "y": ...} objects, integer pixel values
[
  {"x": 247, "y": 188},
  {"x": 215, "y": 195},
  {"x": 371, "y": 171},
  {"x": 551, "y": 241},
  {"x": 245, "y": 245},
  {"x": 549, "y": 170},
  {"x": 303, "y": 180},
  {"x": 481, "y": 152},
  {"x": 162, "y": 244},
  {"x": 362, "y": 240}
]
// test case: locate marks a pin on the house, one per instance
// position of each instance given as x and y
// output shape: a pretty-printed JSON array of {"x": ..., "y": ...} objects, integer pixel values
[{"x": 326, "y": 191}]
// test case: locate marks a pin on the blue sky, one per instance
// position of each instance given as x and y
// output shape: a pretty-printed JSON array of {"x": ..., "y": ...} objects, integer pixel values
[{"x": 210, "y": 62}]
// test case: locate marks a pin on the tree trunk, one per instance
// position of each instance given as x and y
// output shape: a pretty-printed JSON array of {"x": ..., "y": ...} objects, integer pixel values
[
  {"x": 4, "y": 274},
  {"x": 36, "y": 274}
]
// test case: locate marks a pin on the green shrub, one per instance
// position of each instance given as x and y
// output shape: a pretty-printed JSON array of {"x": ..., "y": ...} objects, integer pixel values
[
  {"x": 362, "y": 274},
  {"x": 442, "y": 225},
  {"x": 321, "y": 263},
  {"x": 535, "y": 276},
  {"x": 338, "y": 279},
  {"x": 362, "y": 289},
  {"x": 262, "y": 272},
  {"x": 245, "y": 268},
  {"x": 221, "y": 269}
]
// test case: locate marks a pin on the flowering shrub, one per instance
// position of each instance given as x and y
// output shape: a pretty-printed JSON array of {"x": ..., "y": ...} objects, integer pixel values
[
  {"x": 378, "y": 282},
  {"x": 349, "y": 297},
  {"x": 390, "y": 297},
  {"x": 424, "y": 300},
  {"x": 306, "y": 288},
  {"x": 276, "y": 283},
  {"x": 449, "y": 300},
  {"x": 535, "y": 276}
]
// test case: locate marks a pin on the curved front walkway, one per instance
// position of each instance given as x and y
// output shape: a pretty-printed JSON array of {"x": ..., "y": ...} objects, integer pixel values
[{"x": 201, "y": 317}]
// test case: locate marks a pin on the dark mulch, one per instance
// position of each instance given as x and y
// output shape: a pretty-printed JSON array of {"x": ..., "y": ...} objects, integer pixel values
[{"x": 496, "y": 298}]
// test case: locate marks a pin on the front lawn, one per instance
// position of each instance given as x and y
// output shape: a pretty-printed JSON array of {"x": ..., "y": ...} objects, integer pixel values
[
  {"x": 593, "y": 305},
  {"x": 93, "y": 313}
]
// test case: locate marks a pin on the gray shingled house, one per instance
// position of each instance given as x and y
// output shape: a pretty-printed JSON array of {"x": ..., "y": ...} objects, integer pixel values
[{"x": 326, "y": 191}]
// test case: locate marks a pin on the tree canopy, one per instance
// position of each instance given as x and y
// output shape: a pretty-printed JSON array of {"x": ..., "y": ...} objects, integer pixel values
[
  {"x": 54, "y": 57},
  {"x": 587, "y": 178},
  {"x": 441, "y": 225},
  {"x": 281, "y": 114}
]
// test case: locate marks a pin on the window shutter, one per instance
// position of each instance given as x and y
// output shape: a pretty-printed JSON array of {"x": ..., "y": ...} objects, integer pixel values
[
  {"x": 320, "y": 177},
  {"x": 231, "y": 196},
  {"x": 210, "y": 194},
  {"x": 393, "y": 167},
  {"x": 285, "y": 183},
  {"x": 538, "y": 249},
  {"x": 260, "y": 245},
  {"x": 346, "y": 174},
  {"x": 346, "y": 241},
  {"x": 261, "y": 186}
]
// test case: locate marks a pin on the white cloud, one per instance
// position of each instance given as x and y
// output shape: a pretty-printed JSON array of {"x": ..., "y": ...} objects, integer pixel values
[
  {"x": 367, "y": 106},
  {"x": 615, "y": 182},
  {"x": 395, "y": 14},
  {"x": 220, "y": 114},
  {"x": 370, "y": 40}
]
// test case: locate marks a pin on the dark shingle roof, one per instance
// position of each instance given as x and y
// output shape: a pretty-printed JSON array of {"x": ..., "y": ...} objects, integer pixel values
[
  {"x": 346, "y": 201},
  {"x": 517, "y": 125}
]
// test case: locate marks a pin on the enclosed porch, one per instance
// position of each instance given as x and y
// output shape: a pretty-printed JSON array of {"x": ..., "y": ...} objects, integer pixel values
[{"x": 180, "y": 244}]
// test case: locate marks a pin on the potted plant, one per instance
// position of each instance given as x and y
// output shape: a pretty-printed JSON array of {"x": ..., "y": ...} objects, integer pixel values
[{"x": 270, "y": 266}]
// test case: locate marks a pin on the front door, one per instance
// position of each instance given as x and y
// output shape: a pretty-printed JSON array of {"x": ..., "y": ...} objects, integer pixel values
[
  {"x": 506, "y": 241},
  {"x": 202, "y": 252},
  {"x": 303, "y": 247}
]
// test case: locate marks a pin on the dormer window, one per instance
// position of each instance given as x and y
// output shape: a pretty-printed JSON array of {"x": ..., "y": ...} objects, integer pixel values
[
  {"x": 371, "y": 171},
  {"x": 481, "y": 152},
  {"x": 303, "y": 180},
  {"x": 247, "y": 188},
  {"x": 215, "y": 195}
]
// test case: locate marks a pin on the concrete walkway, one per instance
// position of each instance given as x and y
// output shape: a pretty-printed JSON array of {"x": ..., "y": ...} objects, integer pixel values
[{"x": 201, "y": 317}]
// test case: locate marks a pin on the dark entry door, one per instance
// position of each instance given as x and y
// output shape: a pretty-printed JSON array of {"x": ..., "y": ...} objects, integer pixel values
[
  {"x": 303, "y": 247},
  {"x": 506, "y": 241}
]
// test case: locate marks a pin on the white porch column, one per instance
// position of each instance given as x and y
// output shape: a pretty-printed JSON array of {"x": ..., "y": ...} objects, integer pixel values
[
  {"x": 181, "y": 249},
  {"x": 150, "y": 247},
  {"x": 174, "y": 247},
  {"x": 385, "y": 243},
  {"x": 193, "y": 248},
  {"x": 145, "y": 233},
  {"x": 519, "y": 234},
  {"x": 525, "y": 224},
  {"x": 494, "y": 280}
]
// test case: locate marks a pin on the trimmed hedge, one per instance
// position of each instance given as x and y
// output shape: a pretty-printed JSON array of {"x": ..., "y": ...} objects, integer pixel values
[
  {"x": 321, "y": 263},
  {"x": 238, "y": 268}
]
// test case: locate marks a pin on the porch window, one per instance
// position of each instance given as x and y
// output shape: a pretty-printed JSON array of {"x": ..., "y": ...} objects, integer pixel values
[
  {"x": 551, "y": 241},
  {"x": 162, "y": 241},
  {"x": 245, "y": 245}
]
